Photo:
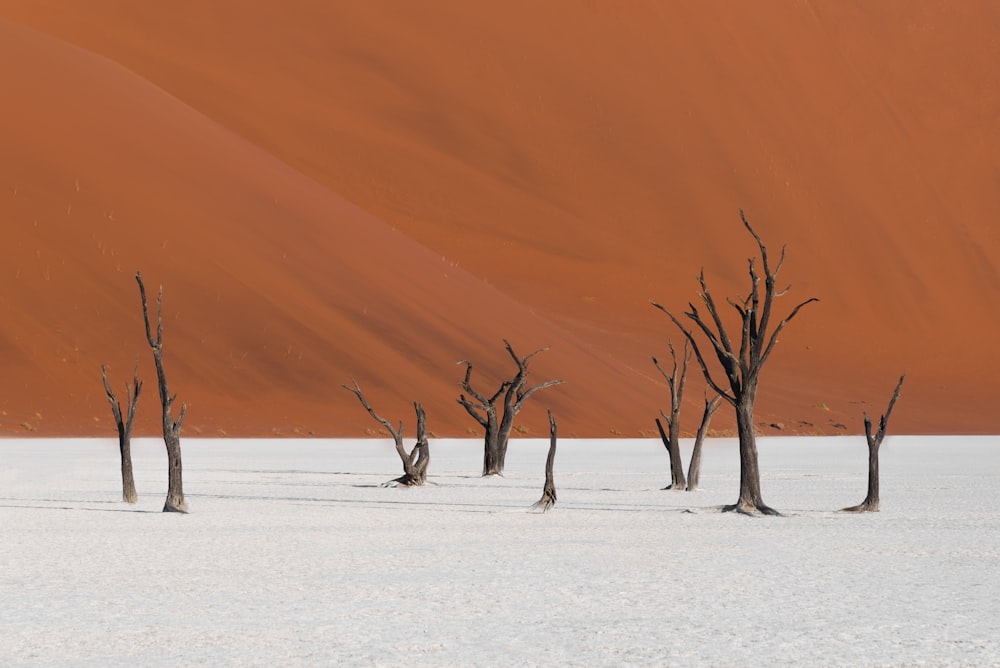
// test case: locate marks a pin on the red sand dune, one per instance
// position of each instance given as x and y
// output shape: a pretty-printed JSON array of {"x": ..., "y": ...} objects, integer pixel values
[{"x": 376, "y": 190}]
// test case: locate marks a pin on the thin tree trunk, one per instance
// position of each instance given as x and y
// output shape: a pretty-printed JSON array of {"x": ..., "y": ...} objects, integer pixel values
[
  {"x": 671, "y": 442},
  {"x": 171, "y": 429},
  {"x": 125, "y": 429},
  {"x": 870, "y": 504},
  {"x": 694, "y": 468},
  {"x": 503, "y": 433},
  {"x": 549, "y": 490},
  {"x": 175, "y": 487},
  {"x": 129, "y": 494}
]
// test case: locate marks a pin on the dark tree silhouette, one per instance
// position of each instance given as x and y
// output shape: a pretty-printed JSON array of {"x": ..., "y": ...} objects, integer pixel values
[
  {"x": 694, "y": 468},
  {"x": 125, "y": 427},
  {"x": 549, "y": 490},
  {"x": 742, "y": 365},
  {"x": 415, "y": 461},
  {"x": 483, "y": 408},
  {"x": 870, "y": 504},
  {"x": 671, "y": 437},
  {"x": 171, "y": 428}
]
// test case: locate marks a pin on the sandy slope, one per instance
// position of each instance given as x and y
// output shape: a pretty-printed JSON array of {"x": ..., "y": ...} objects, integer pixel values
[{"x": 581, "y": 160}]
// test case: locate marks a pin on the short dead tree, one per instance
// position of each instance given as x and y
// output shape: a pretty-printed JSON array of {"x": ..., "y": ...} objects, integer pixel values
[
  {"x": 416, "y": 460},
  {"x": 125, "y": 427},
  {"x": 694, "y": 467},
  {"x": 549, "y": 490},
  {"x": 171, "y": 428},
  {"x": 741, "y": 365},
  {"x": 870, "y": 504},
  {"x": 483, "y": 408},
  {"x": 671, "y": 436}
]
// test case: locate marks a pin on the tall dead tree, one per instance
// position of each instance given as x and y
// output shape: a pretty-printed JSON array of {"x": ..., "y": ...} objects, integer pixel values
[
  {"x": 171, "y": 428},
  {"x": 549, "y": 490},
  {"x": 125, "y": 427},
  {"x": 483, "y": 408},
  {"x": 741, "y": 365},
  {"x": 870, "y": 504},
  {"x": 671, "y": 437},
  {"x": 416, "y": 460},
  {"x": 694, "y": 467}
]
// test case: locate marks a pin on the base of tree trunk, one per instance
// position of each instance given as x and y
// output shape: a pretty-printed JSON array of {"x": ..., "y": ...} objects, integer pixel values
[
  {"x": 405, "y": 480},
  {"x": 547, "y": 501},
  {"x": 129, "y": 495},
  {"x": 174, "y": 507},
  {"x": 864, "y": 507},
  {"x": 751, "y": 509}
]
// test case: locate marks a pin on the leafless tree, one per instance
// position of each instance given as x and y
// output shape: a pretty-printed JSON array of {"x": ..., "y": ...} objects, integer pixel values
[
  {"x": 870, "y": 504},
  {"x": 742, "y": 365},
  {"x": 549, "y": 490},
  {"x": 125, "y": 427},
  {"x": 171, "y": 428},
  {"x": 416, "y": 460},
  {"x": 483, "y": 408},
  {"x": 694, "y": 467},
  {"x": 671, "y": 437}
]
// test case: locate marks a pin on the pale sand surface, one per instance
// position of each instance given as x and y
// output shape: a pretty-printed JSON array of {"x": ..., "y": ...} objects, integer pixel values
[{"x": 294, "y": 555}]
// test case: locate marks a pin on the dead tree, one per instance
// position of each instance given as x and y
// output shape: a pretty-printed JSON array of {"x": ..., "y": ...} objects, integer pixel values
[
  {"x": 125, "y": 427},
  {"x": 483, "y": 408},
  {"x": 671, "y": 437},
  {"x": 870, "y": 504},
  {"x": 694, "y": 467},
  {"x": 742, "y": 365},
  {"x": 416, "y": 460},
  {"x": 549, "y": 490},
  {"x": 171, "y": 428}
]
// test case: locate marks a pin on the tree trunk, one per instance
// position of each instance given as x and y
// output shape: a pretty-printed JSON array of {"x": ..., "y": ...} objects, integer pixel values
[
  {"x": 503, "y": 439},
  {"x": 750, "y": 499},
  {"x": 124, "y": 426},
  {"x": 870, "y": 504},
  {"x": 492, "y": 460},
  {"x": 672, "y": 443},
  {"x": 694, "y": 468},
  {"x": 549, "y": 490},
  {"x": 175, "y": 487},
  {"x": 129, "y": 494},
  {"x": 415, "y": 464},
  {"x": 171, "y": 428}
]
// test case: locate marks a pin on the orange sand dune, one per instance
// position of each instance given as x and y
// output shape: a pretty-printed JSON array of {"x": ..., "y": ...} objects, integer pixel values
[{"x": 563, "y": 162}]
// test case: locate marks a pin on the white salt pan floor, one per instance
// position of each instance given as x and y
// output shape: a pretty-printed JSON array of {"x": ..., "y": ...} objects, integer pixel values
[{"x": 294, "y": 555}]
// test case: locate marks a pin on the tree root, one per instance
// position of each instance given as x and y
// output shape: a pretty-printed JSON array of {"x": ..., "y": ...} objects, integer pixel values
[
  {"x": 405, "y": 480},
  {"x": 547, "y": 501},
  {"x": 861, "y": 508},
  {"x": 751, "y": 510},
  {"x": 172, "y": 508}
]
